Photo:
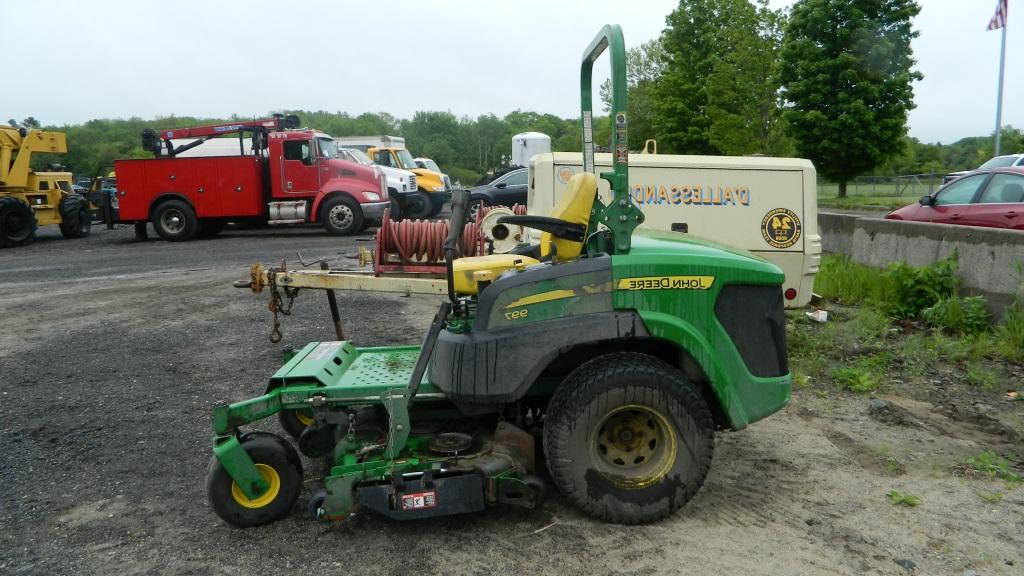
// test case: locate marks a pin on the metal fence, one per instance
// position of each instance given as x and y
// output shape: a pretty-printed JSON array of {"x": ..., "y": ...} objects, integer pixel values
[{"x": 902, "y": 186}]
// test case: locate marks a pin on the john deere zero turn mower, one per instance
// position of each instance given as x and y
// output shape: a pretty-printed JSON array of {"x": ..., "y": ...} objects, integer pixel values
[{"x": 623, "y": 351}]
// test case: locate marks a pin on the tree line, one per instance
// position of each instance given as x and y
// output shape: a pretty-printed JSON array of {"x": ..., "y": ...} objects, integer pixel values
[{"x": 828, "y": 80}]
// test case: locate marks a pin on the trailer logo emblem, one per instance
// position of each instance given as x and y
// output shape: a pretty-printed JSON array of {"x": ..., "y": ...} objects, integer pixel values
[
  {"x": 419, "y": 500},
  {"x": 565, "y": 174},
  {"x": 780, "y": 228}
]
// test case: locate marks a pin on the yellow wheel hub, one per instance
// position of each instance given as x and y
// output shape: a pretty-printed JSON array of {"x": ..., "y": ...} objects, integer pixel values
[
  {"x": 304, "y": 416},
  {"x": 634, "y": 446},
  {"x": 273, "y": 488}
]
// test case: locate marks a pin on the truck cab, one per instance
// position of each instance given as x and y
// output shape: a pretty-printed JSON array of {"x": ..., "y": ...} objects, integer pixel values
[
  {"x": 399, "y": 182},
  {"x": 434, "y": 187}
]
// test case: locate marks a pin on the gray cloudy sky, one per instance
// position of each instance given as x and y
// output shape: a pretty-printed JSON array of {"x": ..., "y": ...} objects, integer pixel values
[{"x": 108, "y": 59}]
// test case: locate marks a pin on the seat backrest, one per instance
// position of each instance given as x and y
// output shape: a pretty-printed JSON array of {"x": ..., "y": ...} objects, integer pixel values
[{"x": 574, "y": 206}]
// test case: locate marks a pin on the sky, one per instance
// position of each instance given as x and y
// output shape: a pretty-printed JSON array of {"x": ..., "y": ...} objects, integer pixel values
[{"x": 77, "y": 60}]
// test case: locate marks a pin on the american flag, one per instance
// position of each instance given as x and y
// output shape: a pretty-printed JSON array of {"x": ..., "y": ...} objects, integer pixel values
[{"x": 999, "y": 20}]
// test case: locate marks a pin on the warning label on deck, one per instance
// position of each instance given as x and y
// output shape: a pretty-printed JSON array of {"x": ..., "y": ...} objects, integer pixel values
[
  {"x": 780, "y": 228},
  {"x": 419, "y": 500}
]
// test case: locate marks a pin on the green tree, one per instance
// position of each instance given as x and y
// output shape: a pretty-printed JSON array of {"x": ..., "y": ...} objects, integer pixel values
[
  {"x": 846, "y": 76},
  {"x": 698, "y": 34},
  {"x": 743, "y": 87}
]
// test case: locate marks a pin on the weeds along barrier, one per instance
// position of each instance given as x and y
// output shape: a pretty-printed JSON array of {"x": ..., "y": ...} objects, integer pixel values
[{"x": 991, "y": 260}]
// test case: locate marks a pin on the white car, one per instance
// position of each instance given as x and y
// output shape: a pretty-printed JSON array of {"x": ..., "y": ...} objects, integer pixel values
[{"x": 1005, "y": 161}]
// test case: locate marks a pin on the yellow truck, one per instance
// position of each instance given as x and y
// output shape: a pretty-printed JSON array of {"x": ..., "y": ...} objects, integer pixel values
[
  {"x": 767, "y": 206},
  {"x": 28, "y": 198},
  {"x": 434, "y": 188}
]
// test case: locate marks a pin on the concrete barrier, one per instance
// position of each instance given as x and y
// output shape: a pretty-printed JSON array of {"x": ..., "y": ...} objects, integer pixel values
[{"x": 989, "y": 257}]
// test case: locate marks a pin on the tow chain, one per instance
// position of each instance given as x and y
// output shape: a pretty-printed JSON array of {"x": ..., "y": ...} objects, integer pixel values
[{"x": 276, "y": 304}]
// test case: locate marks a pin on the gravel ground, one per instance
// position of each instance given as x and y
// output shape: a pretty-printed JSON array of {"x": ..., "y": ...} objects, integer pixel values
[{"x": 113, "y": 353}]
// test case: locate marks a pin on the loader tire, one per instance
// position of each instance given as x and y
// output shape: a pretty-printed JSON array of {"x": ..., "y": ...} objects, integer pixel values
[
  {"x": 628, "y": 439},
  {"x": 76, "y": 221},
  {"x": 17, "y": 223},
  {"x": 278, "y": 463}
]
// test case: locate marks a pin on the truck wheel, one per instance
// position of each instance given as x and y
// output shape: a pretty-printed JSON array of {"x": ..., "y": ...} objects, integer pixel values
[
  {"x": 17, "y": 223},
  {"x": 76, "y": 221},
  {"x": 417, "y": 206},
  {"x": 280, "y": 466},
  {"x": 175, "y": 221},
  {"x": 628, "y": 439},
  {"x": 436, "y": 205},
  {"x": 341, "y": 215}
]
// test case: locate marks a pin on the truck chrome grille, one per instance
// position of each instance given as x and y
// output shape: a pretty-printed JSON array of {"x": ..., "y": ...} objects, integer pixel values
[
  {"x": 412, "y": 183},
  {"x": 447, "y": 182}
]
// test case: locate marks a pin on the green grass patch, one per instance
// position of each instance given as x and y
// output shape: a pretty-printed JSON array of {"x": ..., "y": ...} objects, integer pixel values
[
  {"x": 843, "y": 280},
  {"x": 863, "y": 375},
  {"x": 991, "y": 497},
  {"x": 897, "y": 498},
  {"x": 982, "y": 375},
  {"x": 988, "y": 464}
]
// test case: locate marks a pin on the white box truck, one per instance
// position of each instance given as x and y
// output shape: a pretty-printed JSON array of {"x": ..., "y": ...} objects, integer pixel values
[{"x": 767, "y": 206}]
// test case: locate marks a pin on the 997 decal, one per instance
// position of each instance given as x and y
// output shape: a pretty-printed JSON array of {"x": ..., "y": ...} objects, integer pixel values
[{"x": 780, "y": 228}]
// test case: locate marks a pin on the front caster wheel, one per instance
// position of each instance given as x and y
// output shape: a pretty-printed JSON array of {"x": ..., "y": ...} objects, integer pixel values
[{"x": 279, "y": 465}]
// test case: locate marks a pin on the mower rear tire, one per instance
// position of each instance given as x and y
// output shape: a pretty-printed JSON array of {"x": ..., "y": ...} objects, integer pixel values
[
  {"x": 294, "y": 422},
  {"x": 17, "y": 223},
  {"x": 628, "y": 439},
  {"x": 280, "y": 466},
  {"x": 76, "y": 221}
]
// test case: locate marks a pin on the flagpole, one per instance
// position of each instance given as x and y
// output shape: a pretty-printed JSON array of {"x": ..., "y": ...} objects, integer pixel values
[{"x": 999, "y": 95}]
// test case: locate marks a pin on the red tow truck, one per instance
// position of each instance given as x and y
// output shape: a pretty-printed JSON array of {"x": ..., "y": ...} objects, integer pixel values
[{"x": 273, "y": 173}]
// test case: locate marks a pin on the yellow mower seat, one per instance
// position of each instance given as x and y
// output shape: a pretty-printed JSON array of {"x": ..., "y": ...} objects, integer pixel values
[{"x": 574, "y": 208}]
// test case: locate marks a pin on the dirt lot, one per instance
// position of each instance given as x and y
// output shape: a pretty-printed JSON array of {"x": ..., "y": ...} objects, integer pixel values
[{"x": 113, "y": 353}]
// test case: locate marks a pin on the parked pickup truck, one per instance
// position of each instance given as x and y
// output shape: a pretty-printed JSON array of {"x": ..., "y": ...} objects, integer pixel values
[{"x": 273, "y": 172}]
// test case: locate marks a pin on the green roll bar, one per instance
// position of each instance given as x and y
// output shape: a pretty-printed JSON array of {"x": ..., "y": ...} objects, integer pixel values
[{"x": 621, "y": 216}]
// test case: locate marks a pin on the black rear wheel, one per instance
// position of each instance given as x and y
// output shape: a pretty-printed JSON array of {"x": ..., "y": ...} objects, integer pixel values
[
  {"x": 628, "y": 439},
  {"x": 17, "y": 223}
]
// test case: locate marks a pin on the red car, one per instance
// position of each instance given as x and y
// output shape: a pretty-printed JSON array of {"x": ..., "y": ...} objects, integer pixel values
[{"x": 993, "y": 198}]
